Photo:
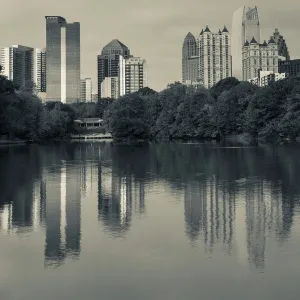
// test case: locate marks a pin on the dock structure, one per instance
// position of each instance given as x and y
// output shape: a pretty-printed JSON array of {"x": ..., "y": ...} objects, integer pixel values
[{"x": 94, "y": 136}]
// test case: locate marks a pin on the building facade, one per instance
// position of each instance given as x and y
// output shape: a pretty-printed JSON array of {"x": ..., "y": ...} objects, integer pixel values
[
  {"x": 189, "y": 59},
  {"x": 18, "y": 65},
  {"x": 108, "y": 61},
  {"x": 283, "y": 50},
  {"x": 214, "y": 56},
  {"x": 86, "y": 90},
  {"x": 291, "y": 67},
  {"x": 62, "y": 60},
  {"x": 259, "y": 57},
  {"x": 245, "y": 26},
  {"x": 40, "y": 72},
  {"x": 265, "y": 78},
  {"x": 132, "y": 74},
  {"x": 110, "y": 87}
]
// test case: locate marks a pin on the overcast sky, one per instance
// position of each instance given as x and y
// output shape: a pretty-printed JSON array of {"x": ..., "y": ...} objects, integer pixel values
[{"x": 151, "y": 29}]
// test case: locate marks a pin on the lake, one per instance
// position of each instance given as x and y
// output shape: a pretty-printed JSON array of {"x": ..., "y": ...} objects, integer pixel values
[{"x": 150, "y": 221}]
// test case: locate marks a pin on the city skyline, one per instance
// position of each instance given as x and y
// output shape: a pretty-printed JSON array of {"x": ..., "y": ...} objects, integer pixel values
[{"x": 149, "y": 22}]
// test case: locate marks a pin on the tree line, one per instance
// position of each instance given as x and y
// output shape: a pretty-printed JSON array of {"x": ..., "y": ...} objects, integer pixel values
[{"x": 229, "y": 108}]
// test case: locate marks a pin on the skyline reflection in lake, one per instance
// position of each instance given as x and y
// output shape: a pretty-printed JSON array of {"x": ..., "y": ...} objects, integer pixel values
[{"x": 171, "y": 211}]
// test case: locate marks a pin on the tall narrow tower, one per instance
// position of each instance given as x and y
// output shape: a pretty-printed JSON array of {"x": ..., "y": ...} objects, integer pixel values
[
  {"x": 62, "y": 60},
  {"x": 245, "y": 26},
  {"x": 189, "y": 59}
]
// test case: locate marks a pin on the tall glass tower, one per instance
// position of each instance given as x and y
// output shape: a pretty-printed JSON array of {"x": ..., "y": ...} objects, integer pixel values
[
  {"x": 245, "y": 26},
  {"x": 62, "y": 60}
]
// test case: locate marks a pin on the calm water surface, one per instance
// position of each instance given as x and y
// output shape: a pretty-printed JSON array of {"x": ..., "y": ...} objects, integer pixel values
[{"x": 156, "y": 221}]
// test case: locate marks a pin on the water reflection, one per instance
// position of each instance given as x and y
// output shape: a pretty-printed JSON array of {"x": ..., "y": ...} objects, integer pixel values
[{"x": 233, "y": 197}]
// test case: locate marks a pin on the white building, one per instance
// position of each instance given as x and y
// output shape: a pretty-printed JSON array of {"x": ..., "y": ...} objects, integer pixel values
[
  {"x": 259, "y": 57},
  {"x": 110, "y": 87},
  {"x": 245, "y": 26},
  {"x": 264, "y": 78},
  {"x": 86, "y": 90},
  {"x": 18, "y": 65},
  {"x": 132, "y": 74},
  {"x": 214, "y": 56}
]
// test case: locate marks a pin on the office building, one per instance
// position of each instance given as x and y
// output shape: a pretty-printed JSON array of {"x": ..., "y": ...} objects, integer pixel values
[
  {"x": 245, "y": 26},
  {"x": 190, "y": 59},
  {"x": 259, "y": 57},
  {"x": 110, "y": 87},
  {"x": 86, "y": 90},
  {"x": 283, "y": 51},
  {"x": 132, "y": 74},
  {"x": 18, "y": 65},
  {"x": 291, "y": 67},
  {"x": 108, "y": 61},
  {"x": 62, "y": 60},
  {"x": 214, "y": 56}
]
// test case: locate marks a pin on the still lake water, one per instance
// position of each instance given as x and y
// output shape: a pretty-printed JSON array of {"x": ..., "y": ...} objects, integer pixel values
[{"x": 157, "y": 221}]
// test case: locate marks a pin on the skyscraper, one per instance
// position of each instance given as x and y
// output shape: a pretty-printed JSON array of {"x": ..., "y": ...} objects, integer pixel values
[
  {"x": 189, "y": 59},
  {"x": 132, "y": 74},
  {"x": 62, "y": 60},
  {"x": 214, "y": 56},
  {"x": 108, "y": 61},
  {"x": 86, "y": 90},
  {"x": 18, "y": 65},
  {"x": 245, "y": 26},
  {"x": 283, "y": 51},
  {"x": 257, "y": 57},
  {"x": 39, "y": 72}
]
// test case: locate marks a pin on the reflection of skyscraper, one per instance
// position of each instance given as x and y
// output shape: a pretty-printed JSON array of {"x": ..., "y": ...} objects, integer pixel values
[
  {"x": 63, "y": 215},
  {"x": 54, "y": 253},
  {"x": 245, "y": 26},
  {"x": 209, "y": 210},
  {"x": 73, "y": 210},
  {"x": 256, "y": 224},
  {"x": 116, "y": 197}
]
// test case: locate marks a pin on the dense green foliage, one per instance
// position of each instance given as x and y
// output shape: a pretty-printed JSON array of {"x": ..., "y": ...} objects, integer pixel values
[
  {"x": 23, "y": 116},
  {"x": 230, "y": 108}
]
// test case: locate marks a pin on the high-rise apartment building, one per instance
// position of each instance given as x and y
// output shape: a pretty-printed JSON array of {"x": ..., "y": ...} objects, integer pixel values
[
  {"x": 39, "y": 72},
  {"x": 190, "y": 59},
  {"x": 257, "y": 57},
  {"x": 245, "y": 26},
  {"x": 108, "y": 61},
  {"x": 18, "y": 65},
  {"x": 86, "y": 90},
  {"x": 110, "y": 87},
  {"x": 132, "y": 74},
  {"x": 214, "y": 56},
  {"x": 291, "y": 67},
  {"x": 62, "y": 60},
  {"x": 283, "y": 51}
]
